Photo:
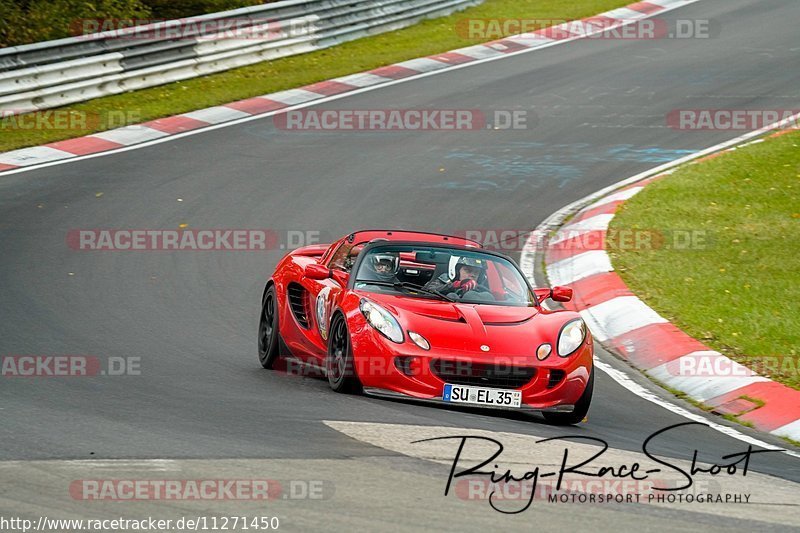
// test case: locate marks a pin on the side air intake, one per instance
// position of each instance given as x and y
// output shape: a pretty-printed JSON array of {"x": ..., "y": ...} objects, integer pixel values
[{"x": 298, "y": 301}]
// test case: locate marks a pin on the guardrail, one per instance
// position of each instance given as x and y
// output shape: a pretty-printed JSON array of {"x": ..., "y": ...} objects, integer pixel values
[{"x": 55, "y": 73}]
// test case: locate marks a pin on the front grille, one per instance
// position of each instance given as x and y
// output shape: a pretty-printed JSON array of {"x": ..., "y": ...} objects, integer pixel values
[
  {"x": 297, "y": 301},
  {"x": 555, "y": 378},
  {"x": 403, "y": 364},
  {"x": 482, "y": 374}
]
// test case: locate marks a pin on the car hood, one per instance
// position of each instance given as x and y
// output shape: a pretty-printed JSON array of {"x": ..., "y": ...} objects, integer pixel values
[
  {"x": 459, "y": 312},
  {"x": 468, "y": 327}
]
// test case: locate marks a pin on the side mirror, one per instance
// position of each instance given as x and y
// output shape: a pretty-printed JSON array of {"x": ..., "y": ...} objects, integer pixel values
[
  {"x": 541, "y": 293},
  {"x": 561, "y": 294},
  {"x": 340, "y": 277},
  {"x": 317, "y": 271}
]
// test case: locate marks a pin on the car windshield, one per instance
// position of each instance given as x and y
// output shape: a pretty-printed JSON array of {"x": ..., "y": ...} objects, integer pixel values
[{"x": 423, "y": 271}]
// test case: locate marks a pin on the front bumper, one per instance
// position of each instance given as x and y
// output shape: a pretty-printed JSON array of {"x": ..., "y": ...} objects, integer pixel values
[
  {"x": 376, "y": 365},
  {"x": 394, "y": 395}
]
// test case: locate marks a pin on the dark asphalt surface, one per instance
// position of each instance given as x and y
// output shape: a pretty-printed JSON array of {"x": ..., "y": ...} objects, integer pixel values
[{"x": 191, "y": 316}]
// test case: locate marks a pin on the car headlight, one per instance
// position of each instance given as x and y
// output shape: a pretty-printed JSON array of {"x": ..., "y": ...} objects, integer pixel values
[
  {"x": 419, "y": 340},
  {"x": 382, "y": 320},
  {"x": 571, "y": 337},
  {"x": 543, "y": 352}
]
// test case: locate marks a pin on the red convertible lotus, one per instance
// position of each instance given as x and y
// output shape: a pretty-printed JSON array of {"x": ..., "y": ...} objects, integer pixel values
[{"x": 428, "y": 317}]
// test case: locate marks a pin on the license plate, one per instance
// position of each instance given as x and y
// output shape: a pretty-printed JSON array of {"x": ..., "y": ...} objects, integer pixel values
[{"x": 482, "y": 396}]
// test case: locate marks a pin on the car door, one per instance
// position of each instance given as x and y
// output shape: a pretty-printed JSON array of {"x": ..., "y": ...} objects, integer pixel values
[{"x": 320, "y": 299}]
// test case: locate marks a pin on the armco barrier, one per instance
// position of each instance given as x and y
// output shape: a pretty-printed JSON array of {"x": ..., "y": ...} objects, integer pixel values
[
  {"x": 129, "y": 137},
  {"x": 55, "y": 73}
]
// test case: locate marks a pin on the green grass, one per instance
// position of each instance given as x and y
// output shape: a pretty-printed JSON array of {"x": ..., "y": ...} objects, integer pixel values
[
  {"x": 428, "y": 37},
  {"x": 739, "y": 290}
]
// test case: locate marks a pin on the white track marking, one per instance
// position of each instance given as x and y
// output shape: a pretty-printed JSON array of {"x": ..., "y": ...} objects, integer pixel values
[
  {"x": 617, "y": 376},
  {"x": 295, "y": 94},
  {"x": 772, "y": 499},
  {"x": 788, "y": 430},
  {"x": 557, "y": 218},
  {"x": 626, "y": 194},
  {"x": 704, "y": 387},
  {"x": 364, "y": 79},
  {"x": 570, "y": 231},
  {"x": 216, "y": 115},
  {"x": 480, "y": 51},
  {"x": 619, "y": 316},
  {"x": 151, "y": 465},
  {"x": 527, "y": 260},
  {"x": 422, "y": 64},
  {"x": 130, "y": 135},
  {"x": 295, "y": 97},
  {"x": 643, "y": 393},
  {"x": 33, "y": 156},
  {"x": 577, "y": 267}
]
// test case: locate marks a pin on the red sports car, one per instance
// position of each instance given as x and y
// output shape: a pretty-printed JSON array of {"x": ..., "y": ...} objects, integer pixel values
[{"x": 428, "y": 317}]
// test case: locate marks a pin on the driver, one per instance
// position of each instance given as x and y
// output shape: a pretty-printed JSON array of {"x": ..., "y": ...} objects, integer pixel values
[
  {"x": 470, "y": 275},
  {"x": 383, "y": 266}
]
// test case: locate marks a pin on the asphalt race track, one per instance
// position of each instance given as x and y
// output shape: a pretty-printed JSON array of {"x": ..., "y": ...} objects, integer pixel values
[{"x": 203, "y": 403}]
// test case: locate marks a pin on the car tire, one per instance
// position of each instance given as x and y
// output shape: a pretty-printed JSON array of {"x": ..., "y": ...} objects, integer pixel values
[
  {"x": 581, "y": 407},
  {"x": 269, "y": 335},
  {"x": 339, "y": 364}
]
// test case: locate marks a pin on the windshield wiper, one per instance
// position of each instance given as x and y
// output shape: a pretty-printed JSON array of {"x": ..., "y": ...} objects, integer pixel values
[{"x": 406, "y": 286}]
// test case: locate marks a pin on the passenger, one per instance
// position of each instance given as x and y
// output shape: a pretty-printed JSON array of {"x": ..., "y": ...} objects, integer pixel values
[{"x": 470, "y": 276}]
